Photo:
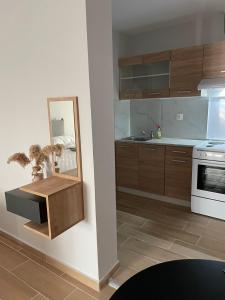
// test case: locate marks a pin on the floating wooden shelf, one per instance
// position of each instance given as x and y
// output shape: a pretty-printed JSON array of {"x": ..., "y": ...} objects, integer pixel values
[
  {"x": 39, "y": 228},
  {"x": 49, "y": 186},
  {"x": 64, "y": 201}
]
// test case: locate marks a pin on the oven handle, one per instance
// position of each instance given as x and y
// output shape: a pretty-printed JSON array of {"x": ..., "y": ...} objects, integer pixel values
[{"x": 208, "y": 163}]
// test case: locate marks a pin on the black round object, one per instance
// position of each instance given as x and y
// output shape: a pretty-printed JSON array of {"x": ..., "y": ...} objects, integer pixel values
[{"x": 192, "y": 279}]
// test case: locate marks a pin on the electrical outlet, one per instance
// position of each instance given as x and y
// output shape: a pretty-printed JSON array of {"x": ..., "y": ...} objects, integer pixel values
[{"x": 180, "y": 117}]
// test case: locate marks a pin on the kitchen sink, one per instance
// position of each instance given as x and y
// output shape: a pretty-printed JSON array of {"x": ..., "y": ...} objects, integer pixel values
[{"x": 138, "y": 138}]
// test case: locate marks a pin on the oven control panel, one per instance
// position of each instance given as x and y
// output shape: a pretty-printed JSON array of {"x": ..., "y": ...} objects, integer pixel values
[{"x": 209, "y": 155}]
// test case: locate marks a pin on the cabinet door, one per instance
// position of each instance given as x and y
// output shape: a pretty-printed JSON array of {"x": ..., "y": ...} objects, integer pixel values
[
  {"x": 157, "y": 70},
  {"x": 156, "y": 57},
  {"x": 214, "y": 60},
  {"x": 186, "y": 71},
  {"x": 178, "y": 172},
  {"x": 130, "y": 61},
  {"x": 127, "y": 165},
  {"x": 131, "y": 82},
  {"x": 151, "y": 168}
]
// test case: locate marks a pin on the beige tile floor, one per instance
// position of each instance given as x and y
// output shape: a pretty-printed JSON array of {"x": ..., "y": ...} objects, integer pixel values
[
  {"x": 149, "y": 232},
  {"x": 24, "y": 275}
]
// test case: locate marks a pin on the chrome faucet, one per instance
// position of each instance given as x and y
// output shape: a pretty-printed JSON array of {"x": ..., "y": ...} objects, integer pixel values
[
  {"x": 145, "y": 133},
  {"x": 152, "y": 135}
]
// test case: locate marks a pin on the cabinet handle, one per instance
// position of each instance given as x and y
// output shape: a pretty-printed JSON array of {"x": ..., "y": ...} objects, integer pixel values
[
  {"x": 177, "y": 151},
  {"x": 223, "y": 71},
  {"x": 184, "y": 92},
  {"x": 155, "y": 93},
  {"x": 179, "y": 161}
]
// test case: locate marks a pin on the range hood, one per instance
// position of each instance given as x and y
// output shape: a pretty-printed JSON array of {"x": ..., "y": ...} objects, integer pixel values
[{"x": 214, "y": 87}]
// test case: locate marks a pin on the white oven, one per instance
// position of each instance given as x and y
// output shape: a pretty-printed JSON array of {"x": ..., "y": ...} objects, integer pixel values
[{"x": 208, "y": 183}]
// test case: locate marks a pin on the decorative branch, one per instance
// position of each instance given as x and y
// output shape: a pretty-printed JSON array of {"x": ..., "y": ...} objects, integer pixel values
[
  {"x": 20, "y": 158},
  {"x": 38, "y": 158}
]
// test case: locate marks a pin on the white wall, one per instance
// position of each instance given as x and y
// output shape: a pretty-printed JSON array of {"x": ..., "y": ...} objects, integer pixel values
[
  {"x": 101, "y": 87},
  {"x": 44, "y": 53},
  {"x": 192, "y": 31}
]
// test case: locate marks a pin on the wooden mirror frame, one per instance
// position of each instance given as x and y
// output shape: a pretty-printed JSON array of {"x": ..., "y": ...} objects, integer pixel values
[{"x": 77, "y": 135}]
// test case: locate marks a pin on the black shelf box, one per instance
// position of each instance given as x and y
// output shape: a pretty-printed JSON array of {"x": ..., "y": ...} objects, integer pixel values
[{"x": 27, "y": 205}]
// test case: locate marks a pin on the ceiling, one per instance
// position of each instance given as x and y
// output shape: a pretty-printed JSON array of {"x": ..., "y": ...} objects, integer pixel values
[{"x": 131, "y": 16}]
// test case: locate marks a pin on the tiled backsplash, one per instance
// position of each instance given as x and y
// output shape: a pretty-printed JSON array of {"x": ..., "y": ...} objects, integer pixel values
[{"x": 145, "y": 114}]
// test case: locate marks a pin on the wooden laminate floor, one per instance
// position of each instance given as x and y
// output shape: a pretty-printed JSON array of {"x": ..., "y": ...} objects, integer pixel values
[
  {"x": 24, "y": 275},
  {"x": 151, "y": 232}
]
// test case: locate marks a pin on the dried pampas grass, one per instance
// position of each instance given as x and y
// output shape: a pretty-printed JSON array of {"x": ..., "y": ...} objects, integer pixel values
[
  {"x": 48, "y": 150},
  {"x": 51, "y": 149},
  {"x": 20, "y": 158},
  {"x": 58, "y": 149},
  {"x": 38, "y": 157},
  {"x": 34, "y": 151}
]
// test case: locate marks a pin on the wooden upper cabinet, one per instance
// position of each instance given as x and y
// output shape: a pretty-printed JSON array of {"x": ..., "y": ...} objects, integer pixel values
[
  {"x": 131, "y": 61},
  {"x": 145, "y": 76},
  {"x": 156, "y": 57},
  {"x": 214, "y": 60},
  {"x": 131, "y": 68},
  {"x": 186, "y": 71},
  {"x": 157, "y": 69},
  {"x": 175, "y": 73}
]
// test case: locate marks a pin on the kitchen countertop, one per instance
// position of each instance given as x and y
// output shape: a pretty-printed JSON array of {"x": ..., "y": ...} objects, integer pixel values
[{"x": 167, "y": 141}]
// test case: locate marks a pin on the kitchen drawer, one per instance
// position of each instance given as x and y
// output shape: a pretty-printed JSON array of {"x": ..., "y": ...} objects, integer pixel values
[
  {"x": 178, "y": 151},
  {"x": 127, "y": 155},
  {"x": 151, "y": 152},
  {"x": 27, "y": 205}
]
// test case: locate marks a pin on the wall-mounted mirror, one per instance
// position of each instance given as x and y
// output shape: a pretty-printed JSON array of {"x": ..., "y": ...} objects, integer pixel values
[{"x": 64, "y": 130}]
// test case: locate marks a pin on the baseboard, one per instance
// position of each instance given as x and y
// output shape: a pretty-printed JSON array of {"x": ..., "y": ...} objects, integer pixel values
[
  {"x": 94, "y": 284},
  {"x": 84, "y": 279},
  {"x": 154, "y": 196},
  {"x": 104, "y": 281}
]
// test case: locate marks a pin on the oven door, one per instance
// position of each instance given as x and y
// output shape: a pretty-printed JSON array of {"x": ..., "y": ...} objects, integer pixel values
[{"x": 208, "y": 179}]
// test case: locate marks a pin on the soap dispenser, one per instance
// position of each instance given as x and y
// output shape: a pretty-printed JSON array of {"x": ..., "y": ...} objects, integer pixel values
[{"x": 158, "y": 132}]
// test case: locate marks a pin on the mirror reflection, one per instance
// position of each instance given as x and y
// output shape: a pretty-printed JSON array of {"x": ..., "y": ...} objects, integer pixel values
[{"x": 63, "y": 132}]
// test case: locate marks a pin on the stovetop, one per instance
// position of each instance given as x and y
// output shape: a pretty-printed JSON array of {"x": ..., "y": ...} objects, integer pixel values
[{"x": 218, "y": 146}]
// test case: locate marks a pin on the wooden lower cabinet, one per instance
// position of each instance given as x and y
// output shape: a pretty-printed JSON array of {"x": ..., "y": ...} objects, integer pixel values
[
  {"x": 127, "y": 165},
  {"x": 151, "y": 168},
  {"x": 178, "y": 172},
  {"x": 156, "y": 169}
]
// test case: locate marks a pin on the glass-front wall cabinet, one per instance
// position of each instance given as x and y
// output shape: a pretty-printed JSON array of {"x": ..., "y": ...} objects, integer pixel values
[{"x": 146, "y": 76}]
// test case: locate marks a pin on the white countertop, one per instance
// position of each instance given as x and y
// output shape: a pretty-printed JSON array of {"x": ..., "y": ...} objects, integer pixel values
[{"x": 168, "y": 141}]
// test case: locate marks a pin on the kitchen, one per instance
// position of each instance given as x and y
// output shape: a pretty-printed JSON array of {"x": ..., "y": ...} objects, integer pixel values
[{"x": 170, "y": 142}]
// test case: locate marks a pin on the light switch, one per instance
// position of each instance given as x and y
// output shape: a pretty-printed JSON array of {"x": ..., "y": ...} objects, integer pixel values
[{"x": 180, "y": 117}]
